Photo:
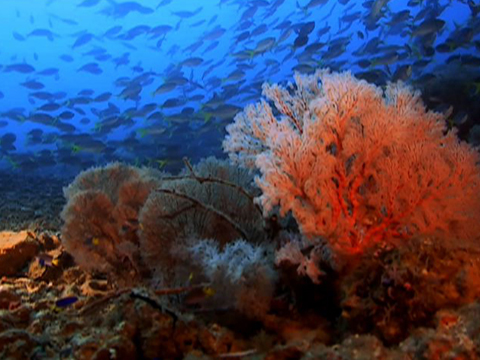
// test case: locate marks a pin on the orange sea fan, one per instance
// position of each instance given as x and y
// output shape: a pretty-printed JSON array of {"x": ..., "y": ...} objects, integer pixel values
[{"x": 357, "y": 165}]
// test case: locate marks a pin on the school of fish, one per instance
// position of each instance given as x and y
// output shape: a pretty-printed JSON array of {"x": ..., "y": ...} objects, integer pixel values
[{"x": 165, "y": 77}]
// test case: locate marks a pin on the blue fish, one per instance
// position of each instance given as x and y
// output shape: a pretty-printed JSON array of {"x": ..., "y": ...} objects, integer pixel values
[
  {"x": 82, "y": 40},
  {"x": 88, "y": 3},
  {"x": 21, "y": 68},
  {"x": 66, "y": 301}
]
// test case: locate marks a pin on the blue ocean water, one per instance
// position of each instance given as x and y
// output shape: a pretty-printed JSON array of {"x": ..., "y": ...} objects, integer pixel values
[{"x": 149, "y": 82}]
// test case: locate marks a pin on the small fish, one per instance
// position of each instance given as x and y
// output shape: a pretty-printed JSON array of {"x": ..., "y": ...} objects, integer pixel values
[
  {"x": 163, "y": 3},
  {"x": 164, "y": 88},
  {"x": 172, "y": 102},
  {"x": 159, "y": 31},
  {"x": 403, "y": 73},
  {"x": 470, "y": 60},
  {"x": 323, "y": 31},
  {"x": 208, "y": 291},
  {"x": 264, "y": 45},
  {"x": 131, "y": 92},
  {"x": 429, "y": 26},
  {"x": 103, "y": 97},
  {"x": 32, "y": 85},
  {"x": 91, "y": 68},
  {"x": 47, "y": 260},
  {"x": 21, "y": 68},
  {"x": 305, "y": 28},
  {"x": 214, "y": 34},
  {"x": 161, "y": 163},
  {"x": 457, "y": 120},
  {"x": 198, "y": 295},
  {"x": 386, "y": 59},
  {"x": 66, "y": 58},
  {"x": 18, "y": 36},
  {"x": 474, "y": 8},
  {"x": 259, "y": 30},
  {"x": 42, "y": 95},
  {"x": 66, "y": 115},
  {"x": 88, "y": 3},
  {"x": 311, "y": 4},
  {"x": 48, "y": 72},
  {"x": 187, "y": 14},
  {"x": 113, "y": 31},
  {"x": 66, "y": 301},
  {"x": 300, "y": 41},
  {"x": 120, "y": 10},
  {"x": 192, "y": 62},
  {"x": 42, "y": 33},
  {"x": 82, "y": 40},
  {"x": 86, "y": 92}
]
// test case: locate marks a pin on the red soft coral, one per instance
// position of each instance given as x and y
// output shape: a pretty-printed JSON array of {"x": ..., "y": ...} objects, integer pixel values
[{"x": 357, "y": 165}]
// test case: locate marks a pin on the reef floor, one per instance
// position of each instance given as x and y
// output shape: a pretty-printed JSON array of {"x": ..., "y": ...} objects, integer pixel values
[{"x": 50, "y": 309}]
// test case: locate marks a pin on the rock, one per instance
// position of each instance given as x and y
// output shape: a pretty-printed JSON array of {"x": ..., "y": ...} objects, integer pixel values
[
  {"x": 22, "y": 314},
  {"x": 71, "y": 328},
  {"x": 16, "y": 250},
  {"x": 216, "y": 340},
  {"x": 86, "y": 348},
  {"x": 59, "y": 258},
  {"x": 74, "y": 275},
  {"x": 48, "y": 241},
  {"x": 286, "y": 353},
  {"x": 119, "y": 348},
  {"x": 16, "y": 344},
  {"x": 36, "y": 271},
  {"x": 7, "y": 298},
  {"x": 95, "y": 287}
]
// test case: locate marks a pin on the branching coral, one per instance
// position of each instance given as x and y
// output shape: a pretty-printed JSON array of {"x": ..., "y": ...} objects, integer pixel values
[
  {"x": 138, "y": 226},
  {"x": 242, "y": 274},
  {"x": 124, "y": 222},
  {"x": 357, "y": 165}
]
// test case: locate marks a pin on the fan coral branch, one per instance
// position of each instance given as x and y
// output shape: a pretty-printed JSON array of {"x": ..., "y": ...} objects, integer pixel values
[
  {"x": 207, "y": 207},
  {"x": 357, "y": 165}
]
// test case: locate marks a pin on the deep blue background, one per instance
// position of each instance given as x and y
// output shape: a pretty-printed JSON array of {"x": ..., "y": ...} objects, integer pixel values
[{"x": 223, "y": 77}]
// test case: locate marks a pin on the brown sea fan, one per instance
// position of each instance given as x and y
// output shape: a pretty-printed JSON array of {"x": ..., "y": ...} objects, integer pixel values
[
  {"x": 101, "y": 219},
  {"x": 198, "y": 206}
]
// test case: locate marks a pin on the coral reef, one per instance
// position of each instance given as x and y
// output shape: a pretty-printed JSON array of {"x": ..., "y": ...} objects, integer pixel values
[
  {"x": 138, "y": 323},
  {"x": 358, "y": 237},
  {"x": 357, "y": 165},
  {"x": 132, "y": 224}
]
